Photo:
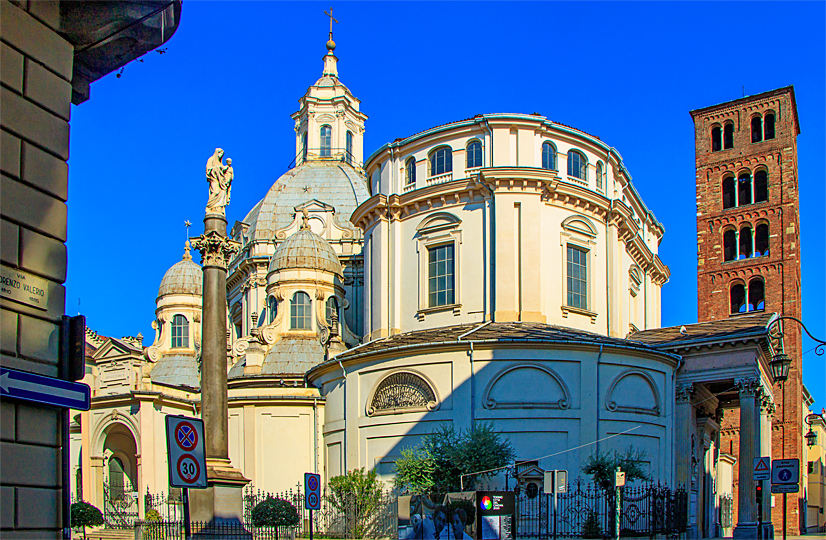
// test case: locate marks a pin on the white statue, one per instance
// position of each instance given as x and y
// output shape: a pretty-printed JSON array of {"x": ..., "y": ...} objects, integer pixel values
[{"x": 219, "y": 177}]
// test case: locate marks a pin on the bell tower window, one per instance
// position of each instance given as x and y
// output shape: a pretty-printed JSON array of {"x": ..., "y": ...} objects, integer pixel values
[{"x": 326, "y": 141}]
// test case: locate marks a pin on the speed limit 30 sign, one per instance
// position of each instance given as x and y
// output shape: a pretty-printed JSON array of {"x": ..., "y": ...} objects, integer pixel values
[{"x": 185, "y": 452}]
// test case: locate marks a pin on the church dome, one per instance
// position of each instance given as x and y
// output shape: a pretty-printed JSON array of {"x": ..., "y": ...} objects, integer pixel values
[
  {"x": 305, "y": 249},
  {"x": 184, "y": 277},
  {"x": 337, "y": 184}
]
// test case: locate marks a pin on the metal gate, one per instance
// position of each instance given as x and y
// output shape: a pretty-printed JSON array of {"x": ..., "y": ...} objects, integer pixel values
[{"x": 120, "y": 504}]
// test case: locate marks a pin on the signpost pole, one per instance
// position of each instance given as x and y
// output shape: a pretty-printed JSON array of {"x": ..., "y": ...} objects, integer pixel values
[
  {"x": 555, "y": 507},
  {"x": 784, "y": 516},
  {"x": 311, "y": 524},
  {"x": 617, "y": 506},
  {"x": 187, "y": 526}
]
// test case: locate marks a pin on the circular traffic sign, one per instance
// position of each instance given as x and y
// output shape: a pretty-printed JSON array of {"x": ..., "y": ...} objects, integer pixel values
[
  {"x": 784, "y": 474},
  {"x": 188, "y": 469},
  {"x": 186, "y": 436},
  {"x": 312, "y": 499},
  {"x": 312, "y": 483}
]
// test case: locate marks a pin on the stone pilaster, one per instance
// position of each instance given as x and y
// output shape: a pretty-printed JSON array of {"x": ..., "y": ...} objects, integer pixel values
[
  {"x": 682, "y": 435},
  {"x": 750, "y": 391},
  {"x": 765, "y": 410}
]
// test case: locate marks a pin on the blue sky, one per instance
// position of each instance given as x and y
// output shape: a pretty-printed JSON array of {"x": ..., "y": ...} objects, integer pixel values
[{"x": 232, "y": 75}]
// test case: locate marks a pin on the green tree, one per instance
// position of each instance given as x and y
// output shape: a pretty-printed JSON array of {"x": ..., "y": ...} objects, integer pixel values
[
  {"x": 439, "y": 462},
  {"x": 602, "y": 466},
  {"x": 358, "y": 495},
  {"x": 274, "y": 513},
  {"x": 85, "y": 515}
]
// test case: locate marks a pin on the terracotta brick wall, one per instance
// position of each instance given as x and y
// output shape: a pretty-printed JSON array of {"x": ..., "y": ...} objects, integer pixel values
[{"x": 780, "y": 270}]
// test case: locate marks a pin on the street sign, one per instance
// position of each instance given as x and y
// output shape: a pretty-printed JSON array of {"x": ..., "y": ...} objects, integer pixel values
[
  {"x": 619, "y": 478},
  {"x": 312, "y": 491},
  {"x": 46, "y": 390},
  {"x": 556, "y": 481},
  {"x": 185, "y": 452},
  {"x": 785, "y": 488},
  {"x": 785, "y": 471},
  {"x": 762, "y": 468}
]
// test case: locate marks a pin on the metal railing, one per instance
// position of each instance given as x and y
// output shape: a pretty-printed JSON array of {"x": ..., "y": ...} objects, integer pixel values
[{"x": 323, "y": 154}]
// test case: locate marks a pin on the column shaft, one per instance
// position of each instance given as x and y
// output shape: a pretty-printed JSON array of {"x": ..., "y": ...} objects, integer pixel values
[{"x": 746, "y": 504}]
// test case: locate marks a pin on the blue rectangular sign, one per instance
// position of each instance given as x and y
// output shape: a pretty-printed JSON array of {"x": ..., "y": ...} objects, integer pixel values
[{"x": 46, "y": 390}]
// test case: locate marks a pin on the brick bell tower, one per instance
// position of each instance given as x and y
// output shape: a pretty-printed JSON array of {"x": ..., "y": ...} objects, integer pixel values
[{"x": 748, "y": 247}]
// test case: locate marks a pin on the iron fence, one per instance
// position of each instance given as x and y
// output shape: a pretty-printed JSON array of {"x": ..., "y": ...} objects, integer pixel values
[
  {"x": 120, "y": 504},
  {"x": 588, "y": 511},
  {"x": 348, "y": 517}
]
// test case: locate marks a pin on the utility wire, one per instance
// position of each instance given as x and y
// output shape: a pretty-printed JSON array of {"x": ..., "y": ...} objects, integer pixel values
[{"x": 462, "y": 476}]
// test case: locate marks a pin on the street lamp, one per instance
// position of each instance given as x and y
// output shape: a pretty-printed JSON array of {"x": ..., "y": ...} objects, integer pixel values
[
  {"x": 811, "y": 437},
  {"x": 780, "y": 362}
]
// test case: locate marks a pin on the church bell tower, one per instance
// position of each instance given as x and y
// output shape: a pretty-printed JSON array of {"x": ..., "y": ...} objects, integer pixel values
[{"x": 748, "y": 244}]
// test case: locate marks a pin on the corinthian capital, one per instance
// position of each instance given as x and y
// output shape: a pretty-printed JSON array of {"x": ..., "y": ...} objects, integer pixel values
[
  {"x": 216, "y": 249},
  {"x": 748, "y": 387},
  {"x": 684, "y": 392}
]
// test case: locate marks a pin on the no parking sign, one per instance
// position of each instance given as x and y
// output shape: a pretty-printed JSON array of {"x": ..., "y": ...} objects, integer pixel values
[{"x": 185, "y": 452}]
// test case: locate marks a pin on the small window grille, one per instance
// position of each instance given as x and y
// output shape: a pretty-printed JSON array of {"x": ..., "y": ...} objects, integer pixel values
[{"x": 402, "y": 390}]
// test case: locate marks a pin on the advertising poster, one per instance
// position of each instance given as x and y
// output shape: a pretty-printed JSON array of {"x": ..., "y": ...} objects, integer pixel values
[{"x": 452, "y": 519}]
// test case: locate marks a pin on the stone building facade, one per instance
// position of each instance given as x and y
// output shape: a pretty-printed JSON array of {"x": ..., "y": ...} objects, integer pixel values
[
  {"x": 51, "y": 52},
  {"x": 748, "y": 245}
]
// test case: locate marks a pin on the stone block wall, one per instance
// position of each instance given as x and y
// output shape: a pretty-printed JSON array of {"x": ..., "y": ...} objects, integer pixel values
[
  {"x": 35, "y": 98},
  {"x": 780, "y": 270}
]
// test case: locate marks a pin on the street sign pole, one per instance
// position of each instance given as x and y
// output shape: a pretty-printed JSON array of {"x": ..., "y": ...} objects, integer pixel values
[
  {"x": 187, "y": 526},
  {"x": 311, "y": 524},
  {"x": 555, "y": 501}
]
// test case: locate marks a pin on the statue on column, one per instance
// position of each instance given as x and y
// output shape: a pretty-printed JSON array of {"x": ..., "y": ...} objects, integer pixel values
[{"x": 219, "y": 177}]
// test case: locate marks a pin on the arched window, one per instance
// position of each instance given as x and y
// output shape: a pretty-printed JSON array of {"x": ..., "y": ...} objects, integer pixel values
[
  {"x": 548, "y": 156},
  {"x": 761, "y": 186},
  {"x": 304, "y": 147},
  {"x": 745, "y": 243},
  {"x": 756, "y": 129},
  {"x": 744, "y": 189},
  {"x": 441, "y": 161},
  {"x": 738, "y": 298},
  {"x": 348, "y": 157},
  {"x": 410, "y": 171},
  {"x": 729, "y": 245},
  {"x": 300, "y": 312},
  {"x": 761, "y": 240},
  {"x": 474, "y": 155},
  {"x": 716, "y": 139},
  {"x": 757, "y": 300},
  {"x": 576, "y": 165},
  {"x": 402, "y": 390},
  {"x": 326, "y": 141},
  {"x": 180, "y": 332},
  {"x": 599, "y": 176},
  {"x": 728, "y": 135},
  {"x": 272, "y": 308},
  {"x": 331, "y": 307},
  {"x": 729, "y": 196},
  {"x": 768, "y": 126}
]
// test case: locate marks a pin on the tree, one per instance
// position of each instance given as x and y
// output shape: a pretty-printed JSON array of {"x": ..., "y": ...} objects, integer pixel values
[
  {"x": 274, "y": 513},
  {"x": 85, "y": 515},
  {"x": 439, "y": 462},
  {"x": 358, "y": 495},
  {"x": 602, "y": 465}
]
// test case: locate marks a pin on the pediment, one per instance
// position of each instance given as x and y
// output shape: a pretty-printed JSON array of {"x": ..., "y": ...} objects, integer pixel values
[
  {"x": 531, "y": 472},
  {"x": 581, "y": 225},
  {"x": 314, "y": 205},
  {"x": 438, "y": 221},
  {"x": 113, "y": 349}
]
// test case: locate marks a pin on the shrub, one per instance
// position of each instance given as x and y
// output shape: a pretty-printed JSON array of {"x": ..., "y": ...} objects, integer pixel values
[
  {"x": 85, "y": 515},
  {"x": 358, "y": 496},
  {"x": 591, "y": 528},
  {"x": 152, "y": 515},
  {"x": 274, "y": 513}
]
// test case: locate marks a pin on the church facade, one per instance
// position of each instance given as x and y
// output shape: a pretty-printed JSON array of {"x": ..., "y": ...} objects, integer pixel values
[{"x": 502, "y": 268}]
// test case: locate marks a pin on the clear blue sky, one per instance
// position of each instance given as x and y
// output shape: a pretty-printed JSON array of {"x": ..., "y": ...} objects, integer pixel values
[{"x": 232, "y": 75}]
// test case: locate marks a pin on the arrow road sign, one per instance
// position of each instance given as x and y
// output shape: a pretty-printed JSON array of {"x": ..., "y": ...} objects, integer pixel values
[
  {"x": 46, "y": 390},
  {"x": 762, "y": 468}
]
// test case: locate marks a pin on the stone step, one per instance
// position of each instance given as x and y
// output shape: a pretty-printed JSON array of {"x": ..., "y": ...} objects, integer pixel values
[{"x": 110, "y": 534}]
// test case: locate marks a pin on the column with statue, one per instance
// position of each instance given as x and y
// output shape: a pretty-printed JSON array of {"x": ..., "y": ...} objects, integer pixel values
[{"x": 221, "y": 502}]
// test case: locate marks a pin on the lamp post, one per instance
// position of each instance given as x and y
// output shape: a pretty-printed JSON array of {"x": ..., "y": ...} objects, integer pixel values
[
  {"x": 811, "y": 436},
  {"x": 781, "y": 362},
  {"x": 779, "y": 365}
]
